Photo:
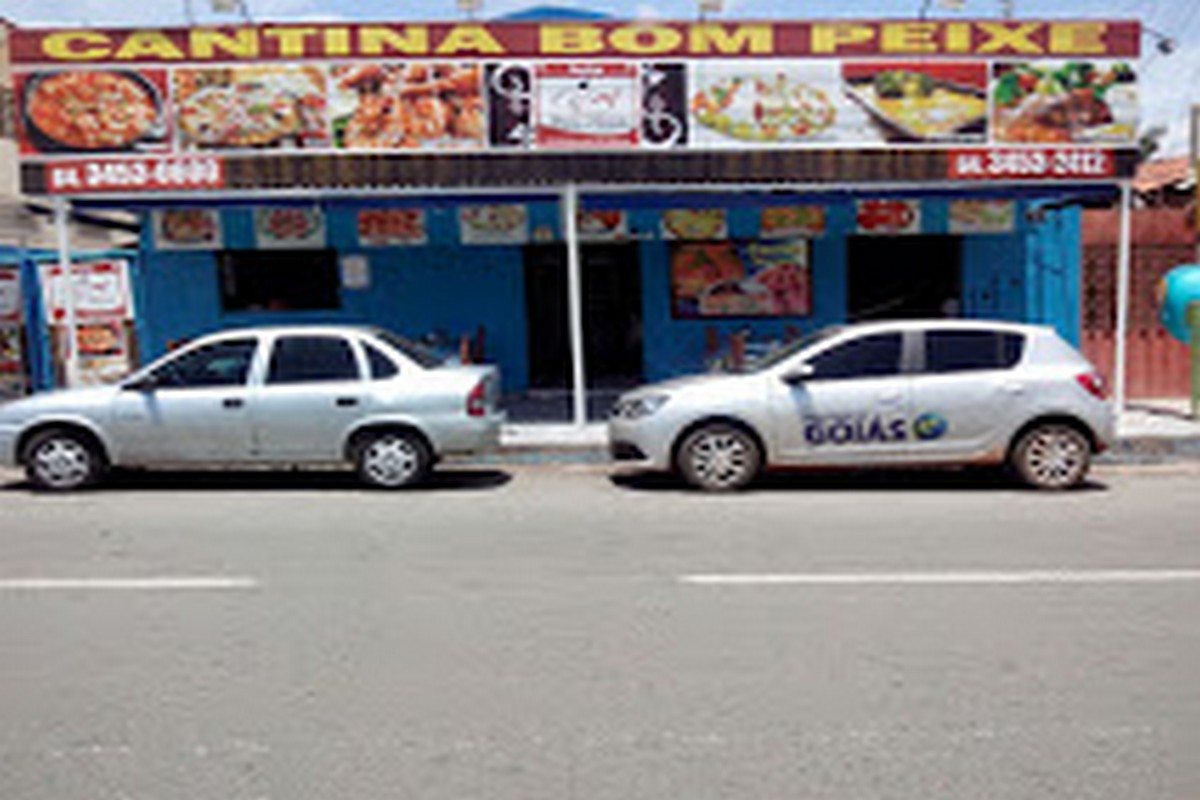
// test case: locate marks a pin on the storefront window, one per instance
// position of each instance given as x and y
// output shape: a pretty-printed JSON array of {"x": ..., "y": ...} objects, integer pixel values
[{"x": 279, "y": 280}]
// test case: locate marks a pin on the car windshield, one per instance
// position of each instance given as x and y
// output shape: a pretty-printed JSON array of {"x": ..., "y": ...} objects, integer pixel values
[
  {"x": 424, "y": 356},
  {"x": 780, "y": 354}
]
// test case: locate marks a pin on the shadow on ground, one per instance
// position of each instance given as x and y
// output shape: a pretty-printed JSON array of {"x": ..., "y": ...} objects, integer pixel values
[
  {"x": 857, "y": 481},
  {"x": 448, "y": 480}
]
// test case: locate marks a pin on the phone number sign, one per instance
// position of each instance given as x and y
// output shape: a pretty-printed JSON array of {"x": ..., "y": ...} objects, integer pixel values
[
  {"x": 134, "y": 175},
  {"x": 1032, "y": 164}
]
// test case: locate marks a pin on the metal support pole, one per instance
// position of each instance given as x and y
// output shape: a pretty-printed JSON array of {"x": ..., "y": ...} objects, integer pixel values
[
  {"x": 1124, "y": 248},
  {"x": 570, "y": 210},
  {"x": 1193, "y": 321},
  {"x": 70, "y": 350}
]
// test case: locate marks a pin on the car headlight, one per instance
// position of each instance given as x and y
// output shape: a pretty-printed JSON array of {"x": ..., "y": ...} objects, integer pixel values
[{"x": 638, "y": 407}]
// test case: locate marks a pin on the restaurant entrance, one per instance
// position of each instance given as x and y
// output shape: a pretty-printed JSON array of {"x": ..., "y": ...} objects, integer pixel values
[
  {"x": 612, "y": 315},
  {"x": 903, "y": 277}
]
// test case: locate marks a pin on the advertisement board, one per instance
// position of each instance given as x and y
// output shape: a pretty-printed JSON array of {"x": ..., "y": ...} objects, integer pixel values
[
  {"x": 740, "y": 278},
  {"x": 101, "y": 291},
  {"x": 164, "y": 109}
]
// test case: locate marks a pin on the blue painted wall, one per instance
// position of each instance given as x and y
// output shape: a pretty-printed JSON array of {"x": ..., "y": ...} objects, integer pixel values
[{"x": 1030, "y": 274}]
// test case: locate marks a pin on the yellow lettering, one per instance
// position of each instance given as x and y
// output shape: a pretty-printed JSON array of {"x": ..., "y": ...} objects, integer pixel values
[
  {"x": 469, "y": 38},
  {"x": 205, "y": 42},
  {"x": 830, "y": 37},
  {"x": 758, "y": 39},
  {"x": 337, "y": 41},
  {"x": 149, "y": 44},
  {"x": 1078, "y": 38},
  {"x": 958, "y": 37},
  {"x": 570, "y": 39},
  {"x": 77, "y": 46},
  {"x": 1002, "y": 38},
  {"x": 909, "y": 37},
  {"x": 646, "y": 39},
  {"x": 291, "y": 41},
  {"x": 411, "y": 40}
]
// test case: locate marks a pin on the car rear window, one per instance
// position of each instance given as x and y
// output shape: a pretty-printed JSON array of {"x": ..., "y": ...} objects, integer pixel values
[
  {"x": 962, "y": 351},
  {"x": 308, "y": 359}
]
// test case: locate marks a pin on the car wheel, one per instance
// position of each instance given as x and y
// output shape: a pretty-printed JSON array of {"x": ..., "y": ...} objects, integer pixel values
[
  {"x": 392, "y": 459},
  {"x": 62, "y": 461},
  {"x": 1052, "y": 457},
  {"x": 719, "y": 458}
]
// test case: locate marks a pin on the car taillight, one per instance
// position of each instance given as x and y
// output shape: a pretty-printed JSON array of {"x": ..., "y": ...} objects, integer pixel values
[
  {"x": 477, "y": 400},
  {"x": 1093, "y": 382}
]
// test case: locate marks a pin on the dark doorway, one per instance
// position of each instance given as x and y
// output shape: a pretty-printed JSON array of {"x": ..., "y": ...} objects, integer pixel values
[
  {"x": 612, "y": 315},
  {"x": 903, "y": 277}
]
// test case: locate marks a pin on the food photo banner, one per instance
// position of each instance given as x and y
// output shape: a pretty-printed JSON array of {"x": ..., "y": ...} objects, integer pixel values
[{"x": 159, "y": 110}]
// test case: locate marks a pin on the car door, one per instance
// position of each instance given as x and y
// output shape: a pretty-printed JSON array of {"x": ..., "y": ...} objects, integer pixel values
[
  {"x": 845, "y": 404},
  {"x": 312, "y": 392},
  {"x": 965, "y": 394},
  {"x": 190, "y": 409}
]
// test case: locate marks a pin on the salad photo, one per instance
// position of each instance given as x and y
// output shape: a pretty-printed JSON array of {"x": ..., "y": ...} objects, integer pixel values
[
  {"x": 1066, "y": 102},
  {"x": 779, "y": 104},
  {"x": 251, "y": 107}
]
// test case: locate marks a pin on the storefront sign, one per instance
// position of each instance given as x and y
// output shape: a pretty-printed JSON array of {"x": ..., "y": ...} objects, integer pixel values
[
  {"x": 789, "y": 222},
  {"x": 134, "y": 175},
  {"x": 289, "y": 228},
  {"x": 983, "y": 216},
  {"x": 10, "y": 296},
  {"x": 101, "y": 291},
  {"x": 389, "y": 227},
  {"x": 587, "y": 105},
  {"x": 888, "y": 217},
  {"x": 556, "y": 40},
  {"x": 187, "y": 229},
  {"x": 1032, "y": 164},
  {"x": 494, "y": 224}
]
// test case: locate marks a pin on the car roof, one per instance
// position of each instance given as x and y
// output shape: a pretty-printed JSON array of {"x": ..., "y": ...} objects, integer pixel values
[
  {"x": 283, "y": 330},
  {"x": 942, "y": 324}
]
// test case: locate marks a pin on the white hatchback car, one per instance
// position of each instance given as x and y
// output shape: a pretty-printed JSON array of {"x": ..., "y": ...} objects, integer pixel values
[
  {"x": 276, "y": 396},
  {"x": 882, "y": 394}
]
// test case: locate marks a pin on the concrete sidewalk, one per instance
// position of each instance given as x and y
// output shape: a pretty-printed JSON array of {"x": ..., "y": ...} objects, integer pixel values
[{"x": 1149, "y": 431}]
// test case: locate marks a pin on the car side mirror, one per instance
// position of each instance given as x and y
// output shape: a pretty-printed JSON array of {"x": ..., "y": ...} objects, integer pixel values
[
  {"x": 145, "y": 384},
  {"x": 800, "y": 374}
]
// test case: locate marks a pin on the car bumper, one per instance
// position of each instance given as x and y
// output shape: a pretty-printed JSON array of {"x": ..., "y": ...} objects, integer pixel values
[
  {"x": 8, "y": 446},
  {"x": 640, "y": 443},
  {"x": 474, "y": 435}
]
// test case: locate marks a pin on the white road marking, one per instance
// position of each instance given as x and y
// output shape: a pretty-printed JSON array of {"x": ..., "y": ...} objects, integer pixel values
[
  {"x": 1056, "y": 576},
  {"x": 165, "y": 583}
]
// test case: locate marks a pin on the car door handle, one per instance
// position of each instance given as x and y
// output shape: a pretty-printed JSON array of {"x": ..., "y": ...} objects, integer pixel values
[
  {"x": 346, "y": 402},
  {"x": 1014, "y": 388},
  {"x": 233, "y": 402}
]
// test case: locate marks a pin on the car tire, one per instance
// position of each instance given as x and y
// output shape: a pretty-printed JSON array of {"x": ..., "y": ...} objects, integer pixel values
[
  {"x": 392, "y": 459},
  {"x": 63, "y": 461},
  {"x": 719, "y": 457},
  {"x": 1051, "y": 457}
]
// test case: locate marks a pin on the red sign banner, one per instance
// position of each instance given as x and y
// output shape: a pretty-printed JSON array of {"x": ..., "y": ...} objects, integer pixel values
[
  {"x": 134, "y": 175},
  {"x": 1031, "y": 164},
  {"x": 573, "y": 40}
]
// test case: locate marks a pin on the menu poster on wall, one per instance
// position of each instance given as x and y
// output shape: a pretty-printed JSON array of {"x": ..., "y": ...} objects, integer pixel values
[
  {"x": 11, "y": 351},
  {"x": 188, "y": 229},
  {"x": 790, "y": 222},
  {"x": 694, "y": 223},
  {"x": 10, "y": 296},
  {"x": 740, "y": 279},
  {"x": 389, "y": 227},
  {"x": 982, "y": 216},
  {"x": 101, "y": 291},
  {"x": 586, "y": 105},
  {"x": 103, "y": 353},
  {"x": 293, "y": 227},
  {"x": 495, "y": 224},
  {"x": 888, "y": 217},
  {"x": 603, "y": 225}
]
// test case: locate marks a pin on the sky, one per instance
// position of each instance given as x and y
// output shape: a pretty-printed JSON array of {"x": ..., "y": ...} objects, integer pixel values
[{"x": 1170, "y": 84}]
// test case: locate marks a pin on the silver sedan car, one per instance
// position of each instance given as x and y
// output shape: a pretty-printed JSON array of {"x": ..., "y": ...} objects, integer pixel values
[
  {"x": 282, "y": 396},
  {"x": 879, "y": 395}
]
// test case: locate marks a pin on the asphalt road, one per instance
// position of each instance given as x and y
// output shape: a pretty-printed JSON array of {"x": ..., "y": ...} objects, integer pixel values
[{"x": 548, "y": 633}]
